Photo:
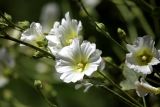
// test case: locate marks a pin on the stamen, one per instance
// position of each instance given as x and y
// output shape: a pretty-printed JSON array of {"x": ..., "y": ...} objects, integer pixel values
[
  {"x": 69, "y": 41},
  {"x": 80, "y": 65},
  {"x": 144, "y": 58}
]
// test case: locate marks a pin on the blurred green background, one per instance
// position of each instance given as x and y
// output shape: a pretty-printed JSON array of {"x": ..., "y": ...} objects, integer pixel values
[{"x": 134, "y": 16}]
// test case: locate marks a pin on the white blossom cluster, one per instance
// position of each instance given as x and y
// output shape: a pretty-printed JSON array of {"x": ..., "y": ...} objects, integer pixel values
[{"x": 75, "y": 58}]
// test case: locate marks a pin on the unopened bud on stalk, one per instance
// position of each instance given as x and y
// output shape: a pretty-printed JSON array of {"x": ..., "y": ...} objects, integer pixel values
[
  {"x": 7, "y": 16},
  {"x": 121, "y": 33},
  {"x": 38, "y": 84},
  {"x": 100, "y": 26},
  {"x": 23, "y": 24},
  {"x": 108, "y": 59}
]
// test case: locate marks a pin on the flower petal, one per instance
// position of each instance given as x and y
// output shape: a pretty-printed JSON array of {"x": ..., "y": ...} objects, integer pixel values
[
  {"x": 154, "y": 61},
  {"x": 87, "y": 49},
  {"x": 74, "y": 77},
  {"x": 90, "y": 69}
]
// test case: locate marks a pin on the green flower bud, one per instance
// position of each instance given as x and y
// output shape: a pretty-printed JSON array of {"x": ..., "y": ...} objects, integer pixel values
[
  {"x": 8, "y": 17},
  {"x": 38, "y": 84},
  {"x": 23, "y": 24},
  {"x": 108, "y": 59},
  {"x": 121, "y": 33},
  {"x": 100, "y": 27}
]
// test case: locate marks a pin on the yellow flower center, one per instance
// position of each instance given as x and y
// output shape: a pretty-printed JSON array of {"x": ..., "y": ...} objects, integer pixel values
[
  {"x": 69, "y": 37},
  {"x": 143, "y": 56},
  {"x": 80, "y": 67},
  {"x": 69, "y": 41}
]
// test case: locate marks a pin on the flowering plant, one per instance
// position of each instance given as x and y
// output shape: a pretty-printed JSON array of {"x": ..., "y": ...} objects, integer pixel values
[{"x": 68, "y": 58}]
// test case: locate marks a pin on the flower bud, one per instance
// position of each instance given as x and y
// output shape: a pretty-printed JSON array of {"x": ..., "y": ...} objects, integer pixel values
[
  {"x": 108, "y": 59},
  {"x": 23, "y": 24},
  {"x": 38, "y": 84},
  {"x": 8, "y": 17},
  {"x": 121, "y": 33},
  {"x": 100, "y": 26}
]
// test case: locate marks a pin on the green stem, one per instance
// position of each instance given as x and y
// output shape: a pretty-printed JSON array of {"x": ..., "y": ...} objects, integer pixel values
[
  {"x": 45, "y": 99},
  {"x": 107, "y": 78},
  {"x": 102, "y": 31},
  {"x": 144, "y": 101},
  {"x": 7, "y": 37},
  {"x": 115, "y": 93}
]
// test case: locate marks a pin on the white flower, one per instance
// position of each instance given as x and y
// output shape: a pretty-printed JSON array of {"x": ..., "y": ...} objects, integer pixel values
[
  {"x": 33, "y": 35},
  {"x": 142, "y": 55},
  {"x": 76, "y": 60},
  {"x": 62, "y": 34}
]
